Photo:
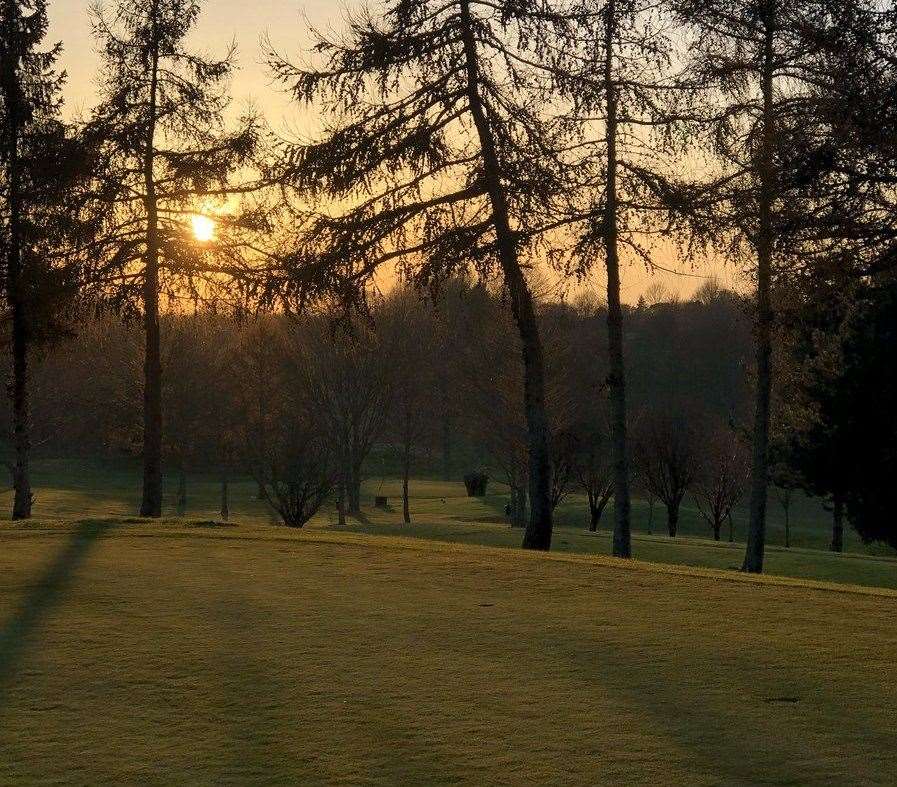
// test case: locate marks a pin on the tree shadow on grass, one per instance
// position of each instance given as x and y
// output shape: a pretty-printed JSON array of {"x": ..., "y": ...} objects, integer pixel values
[
  {"x": 17, "y": 632},
  {"x": 718, "y": 721}
]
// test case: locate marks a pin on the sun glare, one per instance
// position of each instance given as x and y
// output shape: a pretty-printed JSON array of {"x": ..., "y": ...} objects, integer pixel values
[{"x": 203, "y": 228}]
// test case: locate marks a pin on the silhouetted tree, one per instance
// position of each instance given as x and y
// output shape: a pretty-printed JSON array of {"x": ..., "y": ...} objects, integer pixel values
[
  {"x": 169, "y": 155},
  {"x": 785, "y": 482},
  {"x": 846, "y": 453},
  {"x": 408, "y": 338},
  {"x": 294, "y": 465},
  {"x": 45, "y": 218},
  {"x": 593, "y": 470},
  {"x": 622, "y": 82},
  {"x": 445, "y": 147},
  {"x": 758, "y": 55},
  {"x": 563, "y": 456},
  {"x": 345, "y": 373},
  {"x": 492, "y": 392},
  {"x": 667, "y": 456},
  {"x": 849, "y": 165},
  {"x": 720, "y": 483},
  {"x": 256, "y": 368},
  {"x": 299, "y": 475},
  {"x": 196, "y": 400}
]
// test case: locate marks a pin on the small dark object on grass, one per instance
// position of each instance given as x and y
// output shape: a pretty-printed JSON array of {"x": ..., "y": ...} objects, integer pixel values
[
  {"x": 476, "y": 484},
  {"x": 381, "y": 502},
  {"x": 487, "y": 605},
  {"x": 211, "y": 523},
  {"x": 782, "y": 699}
]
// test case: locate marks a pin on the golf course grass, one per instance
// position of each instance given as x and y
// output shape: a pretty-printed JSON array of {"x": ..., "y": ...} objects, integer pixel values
[
  {"x": 72, "y": 489},
  {"x": 188, "y": 652}
]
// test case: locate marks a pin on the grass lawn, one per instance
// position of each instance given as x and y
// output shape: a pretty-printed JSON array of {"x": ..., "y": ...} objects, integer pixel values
[
  {"x": 68, "y": 489},
  {"x": 167, "y": 654}
]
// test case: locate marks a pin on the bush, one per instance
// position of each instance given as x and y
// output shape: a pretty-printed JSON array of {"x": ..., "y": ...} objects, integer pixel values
[
  {"x": 476, "y": 484},
  {"x": 296, "y": 474}
]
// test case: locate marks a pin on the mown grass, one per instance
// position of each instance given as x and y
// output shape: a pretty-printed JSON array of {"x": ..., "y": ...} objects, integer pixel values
[
  {"x": 160, "y": 653},
  {"x": 69, "y": 486},
  {"x": 72, "y": 489}
]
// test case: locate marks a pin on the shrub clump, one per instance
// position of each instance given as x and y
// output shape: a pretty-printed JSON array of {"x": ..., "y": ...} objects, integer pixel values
[{"x": 476, "y": 484}]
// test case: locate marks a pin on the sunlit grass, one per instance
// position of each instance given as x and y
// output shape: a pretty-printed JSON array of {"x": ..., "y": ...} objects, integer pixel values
[
  {"x": 72, "y": 489},
  {"x": 161, "y": 653}
]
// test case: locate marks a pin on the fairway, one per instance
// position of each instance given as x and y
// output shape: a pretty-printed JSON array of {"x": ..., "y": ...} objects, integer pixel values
[
  {"x": 165, "y": 653},
  {"x": 71, "y": 490}
]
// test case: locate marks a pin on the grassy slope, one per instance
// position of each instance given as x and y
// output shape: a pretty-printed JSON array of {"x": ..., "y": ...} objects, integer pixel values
[
  {"x": 161, "y": 654},
  {"x": 69, "y": 486},
  {"x": 72, "y": 489}
]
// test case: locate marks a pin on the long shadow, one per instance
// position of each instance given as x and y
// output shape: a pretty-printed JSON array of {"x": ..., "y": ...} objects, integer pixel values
[
  {"x": 16, "y": 633},
  {"x": 714, "y": 729}
]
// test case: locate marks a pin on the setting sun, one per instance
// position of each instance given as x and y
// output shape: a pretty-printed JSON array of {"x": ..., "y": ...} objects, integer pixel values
[{"x": 203, "y": 228}]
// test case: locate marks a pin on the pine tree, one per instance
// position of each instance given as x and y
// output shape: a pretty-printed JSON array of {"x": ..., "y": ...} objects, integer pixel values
[
  {"x": 757, "y": 58},
  {"x": 442, "y": 153},
  {"x": 42, "y": 168},
  {"x": 168, "y": 153},
  {"x": 622, "y": 82},
  {"x": 851, "y": 169}
]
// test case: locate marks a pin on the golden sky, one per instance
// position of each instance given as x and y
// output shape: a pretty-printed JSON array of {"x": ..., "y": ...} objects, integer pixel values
[{"x": 285, "y": 22}]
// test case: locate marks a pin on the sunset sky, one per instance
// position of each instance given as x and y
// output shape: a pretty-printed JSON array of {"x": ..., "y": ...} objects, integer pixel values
[{"x": 285, "y": 22}]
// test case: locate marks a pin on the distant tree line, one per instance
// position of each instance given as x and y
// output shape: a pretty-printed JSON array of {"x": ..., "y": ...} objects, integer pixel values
[{"x": 432, "y": 381}]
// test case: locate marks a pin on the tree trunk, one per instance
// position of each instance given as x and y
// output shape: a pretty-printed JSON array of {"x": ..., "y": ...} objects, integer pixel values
[
  {"x": 23, "y": 497},
  {"x": 673, "y": 519},
  {"x": 341, "y": 502},
  {"x": 597, "y": 504},
  {"x": 838, "y": 525},
  {"x": 622, "y": 545},
  {"x": 446, "y": 447},
  {"x": 225, "y": 497},
  {"x": 731, "y": 529},
  {"x": 353, "y": 491},
  {"x": 756, "y": 538},
  {"x": 151, "y": 504},
  {"x": 518, "y": 506},
  {"x": 538, "y": 531},
  {"x": 15, "y": 294},
  {"x": 594, "y": 513},
  {"x": 182, "y": 491},
  {"x": 787, "y": 527},
  {"x": 406, "y": 472},
  {"x": 717, "y": 529}
]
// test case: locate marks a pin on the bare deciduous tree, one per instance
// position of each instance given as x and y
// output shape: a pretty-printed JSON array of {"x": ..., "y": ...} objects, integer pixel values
[
  {"x": 345, "y": 372},
  {"x": 667, "y": 456},
  {"x": 408, "y": 337},
  {"x": 300, "y": 472},
  {"x": 720, "y": 484},
  {"x": 594, "y": 471}
]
